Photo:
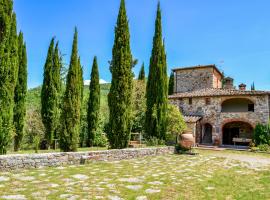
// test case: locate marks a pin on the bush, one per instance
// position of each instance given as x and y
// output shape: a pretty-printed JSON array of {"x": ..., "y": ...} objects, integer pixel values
[
  {"x": 34, "y": 130},
  {"x": 264, "y": 147},
  {"x": 175, "y": 124},
  {"x": 153, "y": 141},
  {"x": 182, "y": 150},
  {"x": 262, "y": 134},
  {"x": 100, "y": 139}
]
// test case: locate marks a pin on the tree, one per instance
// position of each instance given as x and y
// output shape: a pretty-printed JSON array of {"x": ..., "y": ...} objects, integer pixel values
[
  {"x": 8, "y": 71},
  {"x": 171, "y": 84},
  {"x": 51, "y": 92},
  {"x": 157, "y": 86},
  {"x": 20, "y": 94},
  {"x": 139, "y": 106},
  {"x": 70, "y": 116},
  {"x": 93, "y": 104},
  {"x": 253, "y": 86},
  {"x": 58, "y": 85},
  {"x": 175, "y": 123},
  {"x": 141, "y": 73},
  {"x": 120, "y": 95},
  {"x": 83, "y": 114}
]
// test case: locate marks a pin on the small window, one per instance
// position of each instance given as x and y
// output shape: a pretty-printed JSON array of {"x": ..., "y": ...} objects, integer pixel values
[
  {"x": 190, "y": 101},
  {"x": 250, "y": 107},
  {"x": 207, "y": 101}
]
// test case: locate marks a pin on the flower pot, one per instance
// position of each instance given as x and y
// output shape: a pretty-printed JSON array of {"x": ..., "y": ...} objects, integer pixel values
[{"x": 186, "y": 140}]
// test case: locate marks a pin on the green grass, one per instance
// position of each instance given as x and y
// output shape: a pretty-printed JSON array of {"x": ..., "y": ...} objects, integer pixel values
[
  {"x": 206, "y": 176},
  {"x": 57, "y": 150}
]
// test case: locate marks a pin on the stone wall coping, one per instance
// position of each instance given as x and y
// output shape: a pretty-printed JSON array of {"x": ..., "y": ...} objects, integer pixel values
[
  {"x": 79, "y": 152},
  {"x": 26, "y": 161}
]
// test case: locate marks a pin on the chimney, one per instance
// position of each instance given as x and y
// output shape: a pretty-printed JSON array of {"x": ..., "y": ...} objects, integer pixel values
[
  {"x": 242, "y": 87},
  {"x": 228, "y": 83}
]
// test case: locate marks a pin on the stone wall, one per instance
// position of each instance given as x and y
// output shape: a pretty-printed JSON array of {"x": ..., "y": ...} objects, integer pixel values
[
  {"x": 24, "y": 161},
  {"x": 195, "y": 79}
]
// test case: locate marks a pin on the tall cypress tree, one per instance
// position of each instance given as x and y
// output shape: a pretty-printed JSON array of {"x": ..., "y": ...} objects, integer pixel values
[
  {"x": 8, "y": 71},
  {"x": 51, "y": 92},
  {"x": 57, "y": 85},
  {"x": 171, "y": 84},
  {"x": 157, "y": 86},
  {"x": 120, "y": 95},
  {"x": 48, "y": 96},
  {"x": 20, "y": 94},
  {"x": 142, "y": 73},
  {"x": 83, "y": 114},
  {"x": 253, "y": 86},
  {"x": 70, "y": 118},
  {"x": 93, "y": 104}
]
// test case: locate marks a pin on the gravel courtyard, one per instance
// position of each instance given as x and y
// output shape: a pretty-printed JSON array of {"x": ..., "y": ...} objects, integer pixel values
[{"x": 209, "y": 175}]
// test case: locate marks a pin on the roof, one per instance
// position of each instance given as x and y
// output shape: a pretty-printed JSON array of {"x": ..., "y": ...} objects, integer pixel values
[
  {"x": 191, "y": 119},
  {"x": 212, "y": 92},
  {"x": 198, "y": 67}
]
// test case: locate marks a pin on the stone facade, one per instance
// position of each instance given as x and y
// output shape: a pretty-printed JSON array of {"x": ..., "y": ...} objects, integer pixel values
[
  {"x": 12, "y": 162},
  {"x": 190, "y": 79},
  {"x": 197, "y": 98}
]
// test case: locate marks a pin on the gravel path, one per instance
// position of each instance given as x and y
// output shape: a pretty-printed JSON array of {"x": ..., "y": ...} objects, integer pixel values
[{"x": 255, "y": 161}]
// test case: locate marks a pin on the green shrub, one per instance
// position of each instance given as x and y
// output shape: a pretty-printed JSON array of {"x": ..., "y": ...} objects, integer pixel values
[
  {"x": 154, "y": 141},
  {"x": 175, "y": 124},
  {"x": 100, "y": 139},
  {"x": 262, "y": 134},
  {"x": 180, "y": 149},
  {"x": 264, "y": 147}
]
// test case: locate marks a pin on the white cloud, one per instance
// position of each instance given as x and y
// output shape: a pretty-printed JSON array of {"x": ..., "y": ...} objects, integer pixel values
[{"x": 101, "y": 81}]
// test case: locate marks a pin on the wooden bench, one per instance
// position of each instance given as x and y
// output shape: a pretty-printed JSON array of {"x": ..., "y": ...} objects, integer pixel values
[
  {"x": 241, "y": 140},
  {"x": 135, "y": 144}
]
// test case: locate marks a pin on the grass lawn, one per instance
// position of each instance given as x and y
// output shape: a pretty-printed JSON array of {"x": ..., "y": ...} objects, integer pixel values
[
  {"x": 57, "y": 150},
  {"x": 209, "y": 175}
]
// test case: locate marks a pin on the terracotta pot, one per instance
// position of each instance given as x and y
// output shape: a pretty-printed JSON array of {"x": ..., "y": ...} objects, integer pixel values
[
  {"x": 186, "y": 140},
  {"x": 216, "y": 141}
]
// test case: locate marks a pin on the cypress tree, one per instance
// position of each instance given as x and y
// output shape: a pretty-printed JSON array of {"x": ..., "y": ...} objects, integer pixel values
[
  {"x": 171, "y": 84},
  {"x": 93, "y": 104},
  {"x": 70, "y": 118},
  {"x": 48, "y": 96},
  {"x": 82, "y": 133},
  {"x": 157, "y": 86},
  {"x": 253, "y": 86},
  {"x": 141, "y": 73},
  {"x": 57, "y": 85},
  {"x": 120, "y": 95},
  {"x": 51, "y": 92},
  {"x": 20, "y": 94},
  {"x": 8, "y": 71}
]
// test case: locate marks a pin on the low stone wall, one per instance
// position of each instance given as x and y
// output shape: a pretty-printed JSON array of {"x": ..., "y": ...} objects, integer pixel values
[{"x": 24, "y": 161}]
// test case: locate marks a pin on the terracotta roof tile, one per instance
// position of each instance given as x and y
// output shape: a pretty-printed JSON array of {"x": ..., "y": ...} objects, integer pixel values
[
  {"x": 217, "y": 92},
  {"x": 191, "y": 119}
]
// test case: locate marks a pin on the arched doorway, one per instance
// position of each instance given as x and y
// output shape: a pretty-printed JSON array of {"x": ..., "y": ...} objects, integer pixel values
[
  {"x": 237, "y": 129},
  {"x": 207, "y": 136}
]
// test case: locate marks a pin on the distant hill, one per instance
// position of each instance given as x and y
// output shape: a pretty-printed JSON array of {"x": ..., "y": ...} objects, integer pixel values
[{"x": 33, "y": 96}]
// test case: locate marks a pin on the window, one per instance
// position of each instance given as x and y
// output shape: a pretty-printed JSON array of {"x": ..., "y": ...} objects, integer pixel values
[
  {"x": 190, "y": 101},
  {"x": 207, "y": 101},
  {"x": 251, "y": 107}
]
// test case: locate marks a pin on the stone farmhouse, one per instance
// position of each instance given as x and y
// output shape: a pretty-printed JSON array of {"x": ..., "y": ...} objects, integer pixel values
[{"x": 214, "y": 110}]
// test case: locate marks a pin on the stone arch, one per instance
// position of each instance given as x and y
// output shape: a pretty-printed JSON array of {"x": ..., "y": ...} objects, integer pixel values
[
  {"x": 237, "y": 120},
  {"x": 236, "y": 128},
  {"x": 236, "y": 97}
]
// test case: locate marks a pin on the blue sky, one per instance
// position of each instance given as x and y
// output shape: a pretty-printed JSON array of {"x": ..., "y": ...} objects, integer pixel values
[{"x": 234, "y": 35}]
